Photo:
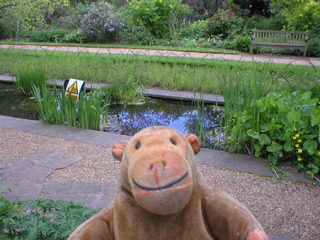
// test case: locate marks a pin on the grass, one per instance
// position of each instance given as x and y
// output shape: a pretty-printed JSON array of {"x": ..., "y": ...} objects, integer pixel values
[{"x": 162, "y": 72}]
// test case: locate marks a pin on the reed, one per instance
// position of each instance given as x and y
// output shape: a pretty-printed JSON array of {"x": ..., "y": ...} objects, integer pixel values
[
  {"x": 55, "y": 107},
  {"x": 240, "y": 92},
  {"x": 29, "y": 76}
]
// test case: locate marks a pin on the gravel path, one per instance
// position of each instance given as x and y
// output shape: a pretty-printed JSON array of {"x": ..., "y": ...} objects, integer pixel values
[
  {"x": 284, "y": 208},
  {"x": 295, "y": 60}
]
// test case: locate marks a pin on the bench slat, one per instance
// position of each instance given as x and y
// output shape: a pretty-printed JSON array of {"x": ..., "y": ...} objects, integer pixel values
[{"x": 276, "y": 38}]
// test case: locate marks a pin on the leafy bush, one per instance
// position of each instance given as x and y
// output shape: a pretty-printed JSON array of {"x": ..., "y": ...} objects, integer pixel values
[
  {"x": 314, "y": 47},
  {"x": 281, "y": 127},
  {"x": 41, "y": 219},
  {"x": 271, "y": 23},
  {"x": 100, "y": 24},
  {"x": 39, "y": 36},
  {"x": 74, "y": 36},
  {"x": 156, "y": 16},
  {"x": 224, "y": 23},
  {"x": 55, "y": 35},
  {"x": 194, "y": 30}
]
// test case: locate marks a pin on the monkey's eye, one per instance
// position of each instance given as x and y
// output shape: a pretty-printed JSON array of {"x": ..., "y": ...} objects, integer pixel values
[
  {"x": 173, "y": 141},
  {"x": 138, "y": 145}
]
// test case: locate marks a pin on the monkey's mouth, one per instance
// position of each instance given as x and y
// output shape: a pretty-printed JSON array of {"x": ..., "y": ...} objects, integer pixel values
[{"x": 169, "y": 185}]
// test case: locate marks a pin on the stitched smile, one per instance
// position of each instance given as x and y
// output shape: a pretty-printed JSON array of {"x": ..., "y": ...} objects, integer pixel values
[{"x": 163, "y": 187}]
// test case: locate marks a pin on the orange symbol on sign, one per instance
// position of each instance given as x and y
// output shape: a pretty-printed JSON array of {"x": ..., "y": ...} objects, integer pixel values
[{"x": 73, "y": 88}]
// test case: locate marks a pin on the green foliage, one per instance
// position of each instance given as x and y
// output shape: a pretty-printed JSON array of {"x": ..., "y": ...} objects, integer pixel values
[
  {"x": 281, "y": 127},
  {"x": 194, "y": 30},
  {"x": 127, "y": 93},
  {"x": 55, "y": 107},
  {"x": 157, "y": 16},
  {"x": 271, "y": 23},
  {"x": 223, "y": 24},
  {"x": 49, "y": 35},
  {"x": 74, "y": 36},
  {"x": 240, "y": 43},
  {"x": 41, "y": 219},
  {"x": 300, "y": 15},
  {"x": 29, "y": 76}
]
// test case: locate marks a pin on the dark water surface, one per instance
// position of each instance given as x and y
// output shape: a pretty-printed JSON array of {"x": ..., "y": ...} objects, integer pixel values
[{"x": 125, "y": 120}]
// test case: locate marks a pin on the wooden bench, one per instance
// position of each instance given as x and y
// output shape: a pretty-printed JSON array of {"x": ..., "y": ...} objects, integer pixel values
[{"x": 280, "y": 39}]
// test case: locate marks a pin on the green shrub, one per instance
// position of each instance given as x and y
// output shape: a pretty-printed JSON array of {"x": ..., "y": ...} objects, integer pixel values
[
  {"x": 156, "y": 16},
  {"x": 281, "y": 127},
  {"x": 74, "y": 36},
  {"x": 39, "y": 36},
  {"x": 41, "y": 219},
  {"x": 271, "y": 23},
  {"x": 55, "y": 35},
  {"x": 242, "y": 43},
  {"x": 194, "y": 30},
  {"x": 224, "y": 23}
]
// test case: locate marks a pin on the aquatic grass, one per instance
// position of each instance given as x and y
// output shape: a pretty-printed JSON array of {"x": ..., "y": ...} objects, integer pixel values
[
  {"x": 57, "y": 108},
  {"x": 92, "y": 111},
  {"x": 240, "y": 90},
  {"x": 46, "y": 103},
  {"x": 28, "y": 76},
  {"x": 128, "y": 93}
]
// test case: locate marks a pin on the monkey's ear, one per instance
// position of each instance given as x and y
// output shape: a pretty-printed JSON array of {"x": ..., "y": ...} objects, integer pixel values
[
  {"x": 118, "y": 149},
  {"x": 194, "y": 142}
]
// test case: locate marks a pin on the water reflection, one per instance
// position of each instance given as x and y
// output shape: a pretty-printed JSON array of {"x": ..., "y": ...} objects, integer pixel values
[
  {"x": 126, "y": 120},
  {"x": 181, "y": 116}
]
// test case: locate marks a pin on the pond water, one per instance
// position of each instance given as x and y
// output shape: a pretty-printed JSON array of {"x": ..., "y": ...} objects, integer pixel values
[{"x": 125, "y": 120}]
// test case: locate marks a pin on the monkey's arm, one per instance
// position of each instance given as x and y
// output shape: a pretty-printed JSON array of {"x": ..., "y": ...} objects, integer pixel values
[
  {"x": 229, "y": 219},
  {"x": 98, "y": 227}
]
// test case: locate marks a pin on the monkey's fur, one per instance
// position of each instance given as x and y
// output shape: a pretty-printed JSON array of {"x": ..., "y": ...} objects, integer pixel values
[{"x": 162, "y": 195}]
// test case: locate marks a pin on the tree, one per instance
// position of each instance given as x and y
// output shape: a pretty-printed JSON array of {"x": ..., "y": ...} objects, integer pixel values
[
  {"x": 27, "y": 13},
  {"x": 300, "y": 14}
]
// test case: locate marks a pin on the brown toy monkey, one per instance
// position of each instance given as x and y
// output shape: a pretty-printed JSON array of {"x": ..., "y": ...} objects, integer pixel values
[{"x": 162, "y": 195}]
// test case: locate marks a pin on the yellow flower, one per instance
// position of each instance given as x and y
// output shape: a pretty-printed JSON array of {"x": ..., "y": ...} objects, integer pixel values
[
  {"x": 224, "y": 128},
  {"x": 294, "y": 137},
  {"x": 297, "y": 135},
  {"x": 318, "y": 153},
  {"x": 273, "y": 142},
  {"x": 297, "y": 145},
  {"x": 299, "y": 150},
  {"x": 216, "y": 131},
  {"x": 170, "y": 5},
  {"x": 296, "y": 129},
  {"x": 147, "y": 9},
  {"x": 300, "y": 159},
  {"x": 299, "y": 141},
  {"x": 229, "y": 137},
  {"x": 210, "y": 133}
]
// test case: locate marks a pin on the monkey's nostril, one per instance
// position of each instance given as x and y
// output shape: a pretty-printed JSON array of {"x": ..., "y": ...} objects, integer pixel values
[
  {"x": 164, "y": 164},
  {"x": 151, "y": 166}
]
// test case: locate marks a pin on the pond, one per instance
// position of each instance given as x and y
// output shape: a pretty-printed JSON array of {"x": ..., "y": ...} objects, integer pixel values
[{"x": 122, "y": 119}]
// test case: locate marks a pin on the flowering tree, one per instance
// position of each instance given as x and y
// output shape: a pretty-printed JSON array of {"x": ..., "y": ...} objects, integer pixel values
[{"x": 100, "y": 24}]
